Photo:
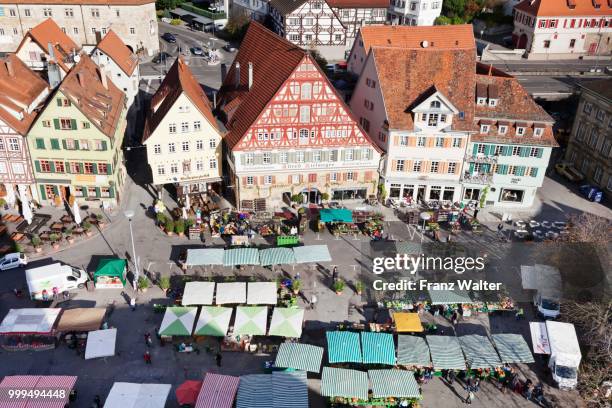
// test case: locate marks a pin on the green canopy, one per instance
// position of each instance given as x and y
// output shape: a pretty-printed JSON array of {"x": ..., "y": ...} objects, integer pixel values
[
  {"x": 178, "y": 321},
  {"x": 394, "y": 383},
  {"x": 378, "y": 348},
  {"x": 241, "y": 256},
  {"x": 446, "y": 353},
  {"x": 450, "y": 297},
  {"x": 251, "y": 320},
  {"x": 286, "y": 322},
  {"x": 276, "y": 256},
  {"x": 111, "y": 267},
  {"x": 213, "y": 321},
  {"x": 343, "y": 347},
  {"x": 412, "y": 350},
  {"x": 340, "y": 382},
  {"x": 479, "y": 352},
  {"x": 336, "y": 215},
  {"x": 311, "y": 254},
  {"x": 512, "y": 348},
  {"x": 299, "y": 357}
]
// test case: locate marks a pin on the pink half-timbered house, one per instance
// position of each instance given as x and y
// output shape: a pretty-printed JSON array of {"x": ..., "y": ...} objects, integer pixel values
[{"x": 289, "y": 133}]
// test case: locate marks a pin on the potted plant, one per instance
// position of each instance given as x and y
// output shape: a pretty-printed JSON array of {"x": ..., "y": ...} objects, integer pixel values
[
  {"x": 100, "y": 219},
  {"x": 169, "y": 226},
  {"x": 179, "y": 227},
  {"x": 36, "y": 242},
  {"x": 69, "y": 237},
  {"x": 54, "y": 238},
  {"x": 164, "y": 283},
  {"x": 338, "y": 286},
  {"x": 143, "y": 284},
  {"x": 160, "y": 218},
  {"x": 295, "y": 286},
  {"x": 87, "y": 228},
  {"x": 324, "y": 196},
  {"x": 359, "y": 287}
]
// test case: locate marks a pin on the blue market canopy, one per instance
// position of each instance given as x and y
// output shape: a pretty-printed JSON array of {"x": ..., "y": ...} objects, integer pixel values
[
  {"x": 276, "y": 256},
  {"x": 378, "y": 348},
  {"x": 343, "y": 347},
  {"x": 299, "y": 356},
  {"x": 412, "y": 350},
  {"x": 479, "y": 352},
  {"x": 336, "y": 215},
  {"x": 340, "y": 382},
  {"x": 394, "y": 383},
  {"x": 241, "y": 256},
  {"x": 254, "y": 391},
  {"x": 289, "y": 389},
  {"x": 204, "y": 256},
  {"x": 512, "y": 348},
  {"x": 311, "y": 253},
  {"x": 446, "y": 353},
  {"x": 449, "y": 297}
]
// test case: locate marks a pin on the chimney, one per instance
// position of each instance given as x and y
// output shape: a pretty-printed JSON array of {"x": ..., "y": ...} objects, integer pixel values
[
  {"x": 250, "y": 75},
  {"x": 51, "y": 51},
  {"x": 237, "y": 75},
  {"x": 9, "y": 67},
  {"x": 103, "y": 77},
  {"x": 81, "y": 79}
]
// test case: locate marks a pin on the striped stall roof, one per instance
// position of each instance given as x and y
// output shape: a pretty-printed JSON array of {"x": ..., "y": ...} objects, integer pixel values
[
  {"x": 343, "y": 347},
  {"x": 286, "y": 322},
  {"x": 254, "y": 391},
  {"x": 394, "y": 383},
  {"x": 213, "y": 321},
  {"x": 412, "y": 350},
  {"x": 512, "y": 348},
  {"x": 276, "y": 256},
  {"x": 340, "y": 382},
  {"x": 446, "y": 353},
  {"x": 479, "y": 352},
  {"x": 262, "y": 293},
  {"x": 299, "y": 356},
  {"x": 289, "y": 389},
  {"x": 36, "y": 382},
  {"x": 311, "y": 253},
  {"x": 241, "y": 256},
  {"x": 218, "y": 391},
  {"x": 378, "y": 348},
  {"x": 251, "y": 320},
  {"x": 449, "y": 297}
]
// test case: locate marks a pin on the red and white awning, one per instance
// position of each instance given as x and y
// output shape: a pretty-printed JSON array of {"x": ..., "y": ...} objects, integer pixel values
[
  {"x": 218, "y": 391},
  {"x": 53, "y": 391}
]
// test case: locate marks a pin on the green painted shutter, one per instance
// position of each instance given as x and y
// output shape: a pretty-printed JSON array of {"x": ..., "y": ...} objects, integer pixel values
[
  {"x": 55, "y": 145},
  {"x": 76, "y": 145},
  {"x": 506, "y": 150},
  {"x": 534, "y": 172},
  {"x": 475, "y": 149},
  {"x": 52, "y": 166},
  {"x": 59, "y": 101},
  {"x": 471, "y": 168},
  {"x": 73, "y": 124},
  {"x": 540, "y": 152},
  {"x": 97, "y": 191},
  {"x": 43, "y": 193},
  {"x": 486, "y": 150},
  {"x": 56, "y": 124},
  {"x": 104, "y": 145},
  {"x": 40, "y": 143},
  {"x": 64, "y": 145},
  {"x": 95, "y": 168},
  {"x": 84, "y": 190},
  {"x": 522, "y": 170},
  {"x": 109, "y": 168},
  {"x": 111, "y": 192},
  {"x": 67, "y": 166},
  {"x": 37, "y": 166},
  {"x": 56, "y": 190},
  {"x": 486, "y": 167},
  {"x": 81, "y": 168}
]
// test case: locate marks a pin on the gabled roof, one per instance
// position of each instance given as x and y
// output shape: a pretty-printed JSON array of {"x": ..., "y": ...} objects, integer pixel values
[
  {"x": 285, "y": 7},
  {"x": 179, "y": 80},
  {"x": 116, "y": 49},
  {"x": 552, "y": 8},
  {"x": 101, "y": 104},
  {"x": 49, "y": 32},
  {"x": 19, "y": 87},
  {"x": 358, "y": 3}
]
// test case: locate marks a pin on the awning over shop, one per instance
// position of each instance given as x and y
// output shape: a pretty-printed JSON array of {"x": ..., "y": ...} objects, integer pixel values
[
  {"x": 198, "y": 293},
  {"x": 343, "y": 347},
  {"x": 412, "y": 350},
  {"x": 213, "y": 321},
  {"x": 289, "y": 389},
  {"x": 340, "y": 382},
  {"x": 101, "y": 343},
  {"x": 230, "y": 292},
  {"x": 449, "y": 297},
  {"x": 407, "y": 322},
  {"x": 286, "y": 322},
  {"x": 479, "y": 352},
  {"x": 218, "y": 391},
  {"x": 132, "y": 395},
  {"x": 251, "y": 320},
  {"x": 241, "y": 256},
  {"x": 336, "y": 215},
  {"x": 378, "y": 348},
  {"x": 446, "y": 353},
  {"x": 33, "y": 383},
  {"x": 81, "y": 319},
  {"x": 299, "y": 356},
  {"x": 262, "y": 293},
  {"x": 204, "y": 256},
  {"x": 32, "y": 320},
  {"x": 394, "y": 383},
  {"x": 276, "y": 256},
  {"x": 254, "y": 391},
  {"x": 512, "y": 348},
  {"x": 311, "y": 253},
  {"x": 111, "y": 267},
  {"x": 178, "y": 321}
]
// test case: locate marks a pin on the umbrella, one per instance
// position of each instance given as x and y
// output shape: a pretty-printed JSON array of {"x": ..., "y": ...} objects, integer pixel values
[
  {"x": 187, "y": 392},
  {"x": 75, "y": 213},
  {"x": 26, "y": 210}
]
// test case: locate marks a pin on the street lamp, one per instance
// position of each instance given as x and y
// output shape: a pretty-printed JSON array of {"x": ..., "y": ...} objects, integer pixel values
[
  {"x": 129, "y": 214},
  {"x": 425, "y": 216}
]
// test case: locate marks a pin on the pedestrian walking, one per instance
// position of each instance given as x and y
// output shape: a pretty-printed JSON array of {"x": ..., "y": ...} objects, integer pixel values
[
  {"x": 55, "y": 293},
  {"x": 218, "y": 359},
  {"x": 476, "y": 385},
  {"x": 147, "y": 357},
  {"x": 133, "y": 303},
  {"x": 148, "y": 340},
  {"x": 313, "y": 302},
  {"x": 476, "y": 214},
  {"x": 469, "y": 398},
  {"x": 335, "y": 274},
  {"x": 451, "y": 376},
  {"x": 45, "y": 295},
  {"x": 455, "y": 318},
  {"x": 469, "y": 383}
]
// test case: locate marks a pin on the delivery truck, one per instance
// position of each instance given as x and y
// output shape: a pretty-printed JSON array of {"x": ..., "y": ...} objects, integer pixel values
[
  {"x": 56, "y": 275},
  {"x": 565, "y": 353}
]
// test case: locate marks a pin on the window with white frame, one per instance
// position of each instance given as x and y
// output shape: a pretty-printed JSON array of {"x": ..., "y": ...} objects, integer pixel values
[
  {"x": 484, "y": 128},
  {"x": 13, "y": 144},
  {"x": 304, "y": 133},
  {"x": 588, "y": 107},
  {"x": 157, "y": 149},
  {"x": 212, "y": 143},
  {"x": 171, "y": 148},
  {"x": 534, "y": 152},
  {"x": 502, "y": 129},
  {"x": 173, "y": 168},
  {"x": 520, "y": 130},
  {"x": 267, "y": 179},
  {"x": 481, "y": 101},
  {"x": 250, "y": 180},
  {"x": 403, "y": 140},
  {"x": 249, "y": 158},
  {"x": 185, "y": 146},
  {"x": 197, "y": 126},
  {"x": 267, "y": 158},
  {"x": 299, "y": 157},
  {"x": 348, "y": 155},
  {"x": 516, "y": 151},
  {"x": 295, "y": 179},
  {"x": 199, "y": 144},
  {"x": 456, "y": 142},
  {"x": 452, "y": 168},
  {"x": 399, "y": 165},
  {"x": 601, "y": 115},
  {"x": 282, "y": 157},
  {"x": 435, "y": 165},
  {"x": 212, "y": 163},
  {"x": 432, "y": 119},
  {"x": 199, "y": 165},
  {"x": 333, "y": 177},
  {"x": 184, "y": 127},
  {"x": 498, "y": 150},
  {"x": 480, "y": 149},
  {"x": 161, "y": 170},
  {"x": 538, "y": 132},
  {"x": 350, "y": 176},
  {"x": 316, "y": 156},
  {"x": 439, "y": 142},
  {"x": 421, "y": 141},
  {"x": 171, "y": 127},
  {"x": 416, "y": 166}
]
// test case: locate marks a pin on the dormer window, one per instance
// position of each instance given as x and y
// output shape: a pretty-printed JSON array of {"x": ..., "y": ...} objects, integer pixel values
[
  {"x": 520, "y": 130},
  {"x": 492, "y": 102},
  {"x": 538, "y": 132},
  {"x": 435, "y": 105},
  {"x": 481, "y": 101},
  {"x": 484, "y": 128},
  {"x": 502, "y": 129}
]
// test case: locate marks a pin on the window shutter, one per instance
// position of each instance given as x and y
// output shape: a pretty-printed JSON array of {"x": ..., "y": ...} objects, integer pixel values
[
  {"x": 261, "y": 179},
  {"x": 540, "y": 152},
  {"x": 55, "y": 144},
  {"x": 97, "y": 191},
  {"x": 95, "y": 168},
  {"x": 37, "y": 166},
  {"x": 40, "y": 143},
  {"x": 109, "y": 168},
  {"x": 368, "y": 176},
  {"x": 244, "y": 181},
  {"x": 56, "y": 190},
  {"x": 486, "y": 149},
  {"x": 59, "y": 101},
  {"x": 357, "y": 154},
  {"x": 64, "y": 145},
  {"x": 56, "y": 124},
  {"x": 507, "y": 150},
  {"x": 447, "y": 142},
  {"x": 534, "y": 172},
  {"x": 274, "y": 158},
  {"x": 52, "y": 166},
  {"x": 396, "y": 140},
  {"x": 342, "y": 155},
  {"x": 412, "y": 141},
  {"x": 258, "y": 159},
  {"x": 111, "y": 191},
  {"x": 393, "y": 165},
  {"x": 104, "y": 145},
  {"x": 73, "y": 124},
  {"x": 408, "y": 165},
  {"x": 81, "y": 168},
  {"x": 84, "y": 190},
  {"x": 273, "y": 179},
  {"x": 43, "y": 193},
  {"x": 471, "y": 168},
  {"x": 76, "y": 145},
  {"x": 308, "y": 157},
  {"x": 328, "y": 177},
  {"x": 475, "y": 149}
]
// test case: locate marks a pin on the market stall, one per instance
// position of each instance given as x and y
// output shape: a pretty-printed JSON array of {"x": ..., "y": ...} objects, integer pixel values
[
  {"x": 276, "y": 256},
  {"x": 262, "y": 293},
  {"x": 412, "y": 351},
  {"x": 204, "y": 257},
  {"x": 343, "y": 347},
  {"x": 479, "y": 352},
  {"x": 110, "y": 273},
  {"x": 344, "y": 383},
  {"x": 230, "y": 293},
  {"x": 187, "y": 393},
  {"x": 198, "y": 293},
  {"x": 29, "y": 329},
  {"x": 407, "y": 322},
  {"x": 229, "y": 223},
  {"x": 249, "y": 321},
  {"x": 286, "y": 322},
  {"x": 512, "y": 348},
  {"x": 218, "y": 391},
  {"x": 391, "y": 385},
  {"x": 57, "y": 387},
  {"x": 254, "y": 391},
  {"x": 378, "y": 348},
  {"x": 177, "y": 321},
  {"x": 281, "y": 389},
  {"x": 132, "y": 395},
  {"x": 298, "y": 356},
  {"x": 446, "y": 353},
  {"x": 311, "y": 254},
  {"x": 81, "y": 319},
  {"x": 213, "y": 321},
  {"x": 101, "y": 343},
  {"x": 241, "y": 257}
]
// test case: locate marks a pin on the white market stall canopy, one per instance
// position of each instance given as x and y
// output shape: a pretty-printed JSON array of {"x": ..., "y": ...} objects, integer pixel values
[
  {"x": 178, "y": 321},
  {"x": 251, "y": 320},
  {"x": 131, "y": 395},
  {"x": 311, "y": 253},
  {"x": 262, "y": 293},
  {"x": 30, "y": 320},
  {"x": 198, "y": 293},
  {"x": 204, "y": 256},
  {"x": 213, "y": 321},
  {"x": 101, "y": 343},
  {"x": 286, "y": 322},
  {"x": 230, "y": 292},
  {"x": 254, "y": 256}
]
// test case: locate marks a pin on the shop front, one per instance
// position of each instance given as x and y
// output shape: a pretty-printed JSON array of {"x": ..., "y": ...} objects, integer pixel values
[
  {"x": 411, "y": 192},
  {"x": 350, "y": 194}
]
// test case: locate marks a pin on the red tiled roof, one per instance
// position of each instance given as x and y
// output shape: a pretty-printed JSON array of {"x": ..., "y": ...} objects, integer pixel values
[
  {"x": 552, "y": 8},
  {"x": 49, "y": 32},
  {"x": 20, "y": 88},
  {"x": 116, "y": 49},
  {"x": 358, "y": 3},
  {"x": 179, "y": 80}
]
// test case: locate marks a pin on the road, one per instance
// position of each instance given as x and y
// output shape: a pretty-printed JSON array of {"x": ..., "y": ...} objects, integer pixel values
[{"x": 553, "y": 87}]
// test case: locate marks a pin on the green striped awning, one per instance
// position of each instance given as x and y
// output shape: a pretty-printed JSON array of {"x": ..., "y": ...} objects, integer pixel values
[
  {"x": 254, "y": 391},
  {"x": 479, "y": 352},
  {"x": 378, "y": 348},
  {"x": 289, "y": 389},
  {"x": 286, "y": 322},
  {"x": 241, "y": 256},
  {"x": 213, "y": 321},
  {"x": 412, "y": 350},
  {"x": 449, "y": 297},
  {"x": 394, "y": 383},
  {"x": 343, "y": 347},
  {"x": 251, "y": 320},
  {"x": 204, "y": 256},
  {"x": 311, "y": 253},
  {"x": 512, "y": 348},
  {"x": 299, "y": 356},
  {"x": 178, "y": 321},
  {"x": 446, "y": 353},
  {"x": 340, "y": 382},
  {"x": 276, "y": 256}
]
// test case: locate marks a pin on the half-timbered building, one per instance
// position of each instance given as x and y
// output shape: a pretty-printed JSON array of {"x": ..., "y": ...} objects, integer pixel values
[
  {"x": 358, "y": 13},
  {"x": 289, "y": 133}
]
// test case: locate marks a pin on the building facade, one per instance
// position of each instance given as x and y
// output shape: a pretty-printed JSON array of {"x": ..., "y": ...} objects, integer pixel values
[
  {"x": 414, "y": 12},
  {"x": 22, "y": 92},
  {"x": 134, "y": 21},
  {"x": 76, "y": 141},
  {"x": 254, "y": 9},
  {"x": 549, "y": 29},
  {"x": 182, "y": 137},
  {"x": 358, "y": 13},
  {"x": 590, "y": 143},
  {"x": 289, "y": 133}
]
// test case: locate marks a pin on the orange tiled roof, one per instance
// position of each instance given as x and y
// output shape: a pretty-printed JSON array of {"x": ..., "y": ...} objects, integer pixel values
[
  {"x": 358, "y": 3},
  {"x": 116, "y": 49},
  {"x": 49, "y": 32},
  {"x": 178, "y": 80},
  {"x": 20, "y": 88},
  {"x": 101, "y": 105},
  {"x": 552, "y": 8}
]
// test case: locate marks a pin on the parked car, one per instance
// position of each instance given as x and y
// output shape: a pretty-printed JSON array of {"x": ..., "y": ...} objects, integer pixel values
[
  {"x": 591, "y": 193},
  {"x": 161, "y": 57},
  {"x": 197, "y": 51},
  {"x": 229, "y": 48},
  {"x": 169, "y": 37},
  {"x": 14, "y": 260},
  {"x": 569, "y": 172}
]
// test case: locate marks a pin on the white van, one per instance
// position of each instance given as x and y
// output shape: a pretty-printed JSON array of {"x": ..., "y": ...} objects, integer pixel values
[
  {"x": 56, "y": 275},
  {"x": 15, "y": 260}
]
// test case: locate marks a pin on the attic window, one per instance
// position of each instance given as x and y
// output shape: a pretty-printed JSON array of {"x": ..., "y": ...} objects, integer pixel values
[
  {"x": 435, "y": 105},
  {"x": 538, "y": 132},
  {"x": 571, "y": 4},
  {"x": 492, "y": 102},
  {"x": 596, "y": 4},
  {"x": 481, "y": 101}
]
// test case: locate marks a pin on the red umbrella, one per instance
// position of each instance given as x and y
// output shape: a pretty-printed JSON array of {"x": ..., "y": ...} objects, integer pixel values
[{"x": 187, "y": 392}]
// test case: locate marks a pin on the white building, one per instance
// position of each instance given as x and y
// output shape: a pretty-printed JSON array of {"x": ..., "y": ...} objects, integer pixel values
[
  {"x": 85, "y": 21},
  {"x": 555, "y": 29},
  {"x": 254, "y": 9},
  {"x": 414, "y": 12},
  {"x": 355, "y": 14}
]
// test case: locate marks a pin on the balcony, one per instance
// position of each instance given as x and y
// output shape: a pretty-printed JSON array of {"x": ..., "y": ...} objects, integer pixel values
[
  {"x": 481, "y": 159},
  {"x": 477, "y": 178}
]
